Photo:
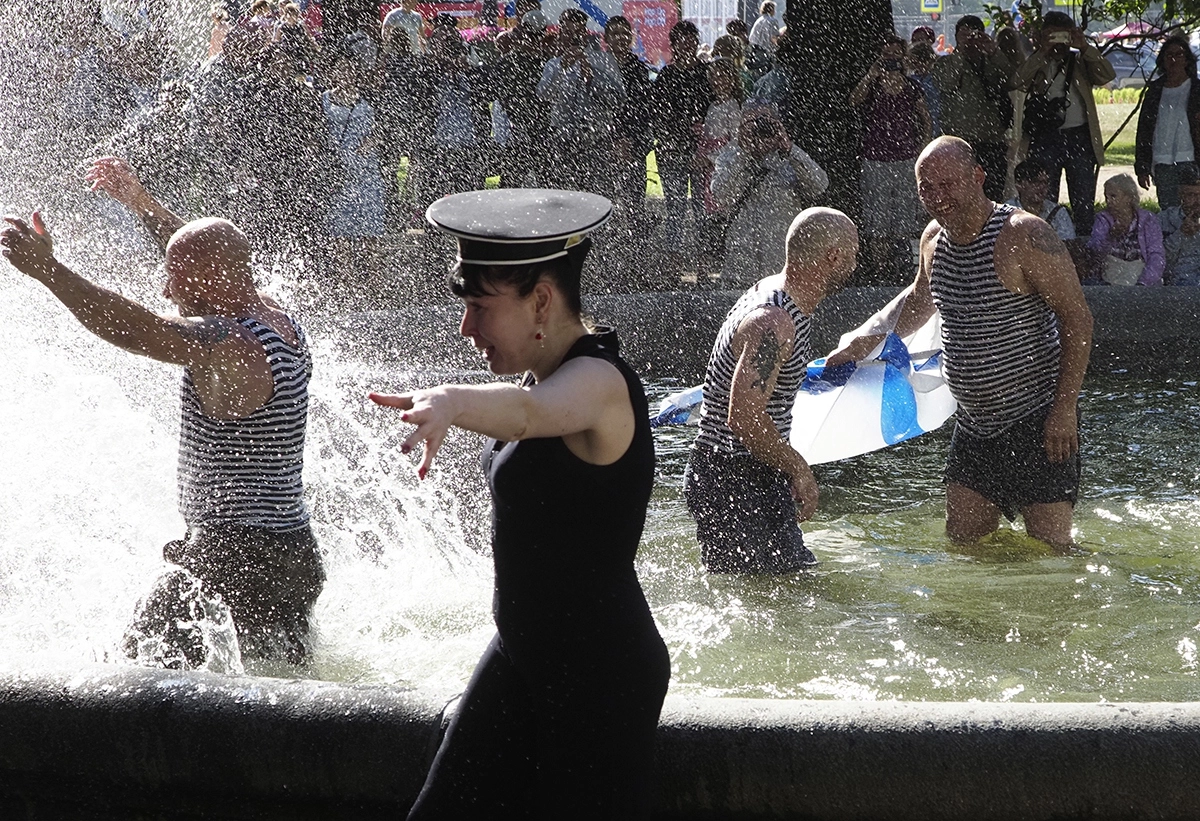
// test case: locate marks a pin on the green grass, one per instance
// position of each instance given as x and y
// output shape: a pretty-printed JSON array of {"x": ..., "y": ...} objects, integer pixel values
[
  {"x": 1106, "y": 96},
  {"x": 653, "y": 186},
  {"x": 1112, "y": 115}
]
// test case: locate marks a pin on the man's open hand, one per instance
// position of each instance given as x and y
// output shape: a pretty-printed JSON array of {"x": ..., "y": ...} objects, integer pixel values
[
  {"x": 116, "y": 177},
  {"x": 28, "y": 247}
]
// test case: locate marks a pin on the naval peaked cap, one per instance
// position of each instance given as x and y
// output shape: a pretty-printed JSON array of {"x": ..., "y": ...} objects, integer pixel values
[{"x": 517, "y": 226}]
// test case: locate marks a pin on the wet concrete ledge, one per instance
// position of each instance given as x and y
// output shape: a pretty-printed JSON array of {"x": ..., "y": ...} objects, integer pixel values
[
  {"x": 112, "y": 742},
  {"x": 668, "y": 334}
]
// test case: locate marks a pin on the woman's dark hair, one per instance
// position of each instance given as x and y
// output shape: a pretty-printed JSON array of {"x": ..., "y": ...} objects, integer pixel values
[
  {"x": 1189, "y": 56},
  {"x": 969, "y": 21},
  {"x": 576, "y": 16},
  {"x": 1027, "y": 170},
  {"x": 468, "y": 280},
  {"x": 617, "y": 20},
  {"x": 737, "y": 28}
]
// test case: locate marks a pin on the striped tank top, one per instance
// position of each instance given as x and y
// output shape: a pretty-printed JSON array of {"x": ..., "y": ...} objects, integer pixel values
[
  {"x": 1002, "y": 348},
  {"x": 718, "y": 379},
  {"x": 248, "y": 471}
]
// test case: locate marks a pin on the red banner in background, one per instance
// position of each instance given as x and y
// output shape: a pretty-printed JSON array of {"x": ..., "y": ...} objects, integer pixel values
[{"x": 651, "y": 21}]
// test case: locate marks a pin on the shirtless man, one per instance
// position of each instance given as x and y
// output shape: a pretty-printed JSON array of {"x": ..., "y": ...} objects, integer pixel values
[
  {"x": 745, "y": 485},
  {"x": 1017, "y": 335},
  {"x": 244, "y": 412}
]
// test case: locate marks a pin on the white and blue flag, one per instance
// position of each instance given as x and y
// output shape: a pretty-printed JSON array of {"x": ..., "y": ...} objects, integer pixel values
[{"x": 894, "y": 394}]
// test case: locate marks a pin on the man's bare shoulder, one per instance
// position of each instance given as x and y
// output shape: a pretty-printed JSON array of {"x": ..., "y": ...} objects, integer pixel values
[
  {"x": 1023, "y": 228},
  {"x": 929, "y": 238},
  {"x": 932, "y": 231},
  {"x": 220, "y": 343},
  {"x": 765, "y": 319},
  {"x": 209, "y": 331}
]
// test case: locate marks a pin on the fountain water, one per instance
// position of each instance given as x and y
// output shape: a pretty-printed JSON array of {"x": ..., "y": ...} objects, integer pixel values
[{"x": 893, "y": 616}]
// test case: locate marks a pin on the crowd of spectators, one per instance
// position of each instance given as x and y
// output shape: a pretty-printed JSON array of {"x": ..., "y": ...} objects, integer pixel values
[
  {"x": 1027, "y": 107},
  {"x": 344, "y": 140},
  {"x": 323, "y": 147}
]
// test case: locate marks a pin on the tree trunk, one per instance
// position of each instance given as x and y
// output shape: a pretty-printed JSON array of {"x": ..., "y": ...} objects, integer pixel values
[{"x": 833, "y": 44}]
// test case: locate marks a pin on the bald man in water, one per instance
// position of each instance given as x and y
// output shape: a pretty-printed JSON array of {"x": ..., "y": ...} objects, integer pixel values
[
  {"x": 244, "y": 413},
  {"x": 1017, "y": 333},
  {"x": 745, "y": 485}
]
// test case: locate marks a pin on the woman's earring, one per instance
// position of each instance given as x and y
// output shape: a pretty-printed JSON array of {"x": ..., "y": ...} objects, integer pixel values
[{"x": 541, "y": 338}]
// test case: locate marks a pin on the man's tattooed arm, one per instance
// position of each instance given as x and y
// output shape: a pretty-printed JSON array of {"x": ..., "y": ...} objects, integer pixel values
[
  {"x": 161, "y": 223},
  {"x": 766, "y": 361},
  {"x": 205, "y": 333}
]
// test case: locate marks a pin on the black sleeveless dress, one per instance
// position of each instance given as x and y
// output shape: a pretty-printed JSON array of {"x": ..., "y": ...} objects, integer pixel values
[{"x": 559, "y": 718}]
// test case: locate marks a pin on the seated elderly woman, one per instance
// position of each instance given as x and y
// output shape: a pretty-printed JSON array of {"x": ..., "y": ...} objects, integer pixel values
[{"x": 1127, "y": 241}]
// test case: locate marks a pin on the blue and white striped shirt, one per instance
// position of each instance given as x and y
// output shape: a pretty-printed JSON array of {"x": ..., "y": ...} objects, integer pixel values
[
  {"x": 248, "y": 471},
  {"x": 1002, "y": 348}
]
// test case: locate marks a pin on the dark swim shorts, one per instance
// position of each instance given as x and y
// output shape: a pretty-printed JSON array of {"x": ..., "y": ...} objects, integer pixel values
[
  {"x": 745, "y": 515},
  {"x": 1011, "y": 470},
  {"x": 269, "y": 580}
]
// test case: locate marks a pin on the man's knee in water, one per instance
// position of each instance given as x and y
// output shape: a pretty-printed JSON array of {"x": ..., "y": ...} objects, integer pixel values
[
  {"x": 969, "y": 515},
  {"x": 179, "y": 626},
  {"x": 1051, "y": 523}
]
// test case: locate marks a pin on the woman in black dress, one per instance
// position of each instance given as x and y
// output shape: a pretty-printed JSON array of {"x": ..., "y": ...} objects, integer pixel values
[{"x": 558, "y": 720}]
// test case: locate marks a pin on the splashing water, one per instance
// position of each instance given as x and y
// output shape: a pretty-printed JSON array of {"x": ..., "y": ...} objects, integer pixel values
[{"x": 87, "y": 499}]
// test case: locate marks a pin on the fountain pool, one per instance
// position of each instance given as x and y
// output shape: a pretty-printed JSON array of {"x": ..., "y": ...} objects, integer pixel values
[{"x": 893, "y": 613}]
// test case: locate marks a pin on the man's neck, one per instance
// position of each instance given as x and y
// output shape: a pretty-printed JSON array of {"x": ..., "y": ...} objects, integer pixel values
[
  {"x": 807, "y": 287},
  {"x": 964, "y": 228},
  {"x": 233, "y": 306}
]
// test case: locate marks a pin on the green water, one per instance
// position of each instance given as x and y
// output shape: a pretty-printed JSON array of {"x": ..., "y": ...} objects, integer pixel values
[{"x": 894, "y": 611}]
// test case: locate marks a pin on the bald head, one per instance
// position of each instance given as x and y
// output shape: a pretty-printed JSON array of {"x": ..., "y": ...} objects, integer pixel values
[
  {"x": 212, "y": 244},
  {"x": 208, "y": 266},
  {"x": 822, "y": 253},
  {"x": 950, "y": 184},
  {"x": 816, "y": 231},
  {"x": 949, "y": 153}
]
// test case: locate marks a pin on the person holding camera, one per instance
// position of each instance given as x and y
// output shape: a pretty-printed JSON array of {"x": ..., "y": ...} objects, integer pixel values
[
  {"x": 1060, "y": 112},
  {"x": 973, "y": 84},
  {"x": 761, "y": 180},
  {"x": 895, "y": 127}
]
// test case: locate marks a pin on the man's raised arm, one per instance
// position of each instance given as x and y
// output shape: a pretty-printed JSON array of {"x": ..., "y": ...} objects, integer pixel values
[
  {"x": 918, "y": 308},
  {"x": 117, "y": 178},
  {"x": 114, "y": 318}
]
